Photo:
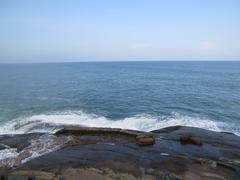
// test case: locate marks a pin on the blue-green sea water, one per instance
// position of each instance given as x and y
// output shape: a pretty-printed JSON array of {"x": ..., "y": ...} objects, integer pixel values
[{"x": 133, "y": 95}]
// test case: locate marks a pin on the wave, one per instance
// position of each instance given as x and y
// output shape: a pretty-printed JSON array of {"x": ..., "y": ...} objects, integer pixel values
[{"x": 51, "y": 122}]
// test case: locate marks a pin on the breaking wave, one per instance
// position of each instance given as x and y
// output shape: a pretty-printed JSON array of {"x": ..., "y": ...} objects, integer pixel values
[{"x": 51, "y": 122}]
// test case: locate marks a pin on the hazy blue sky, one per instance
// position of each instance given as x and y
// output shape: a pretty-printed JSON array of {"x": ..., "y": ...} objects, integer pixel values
[{"x": 77, "y": 30}]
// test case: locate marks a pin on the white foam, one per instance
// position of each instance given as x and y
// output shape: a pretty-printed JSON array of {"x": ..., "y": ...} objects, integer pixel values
[
  {"x": 8, "y": 157},
  {"x": 8, "y": 153},
  {"x": 46, "y": 143},
  {"x": 49, "y": 122}
]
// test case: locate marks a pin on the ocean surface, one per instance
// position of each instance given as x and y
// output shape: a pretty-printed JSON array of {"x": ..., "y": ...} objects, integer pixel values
[{"x": 134, "y": 95}]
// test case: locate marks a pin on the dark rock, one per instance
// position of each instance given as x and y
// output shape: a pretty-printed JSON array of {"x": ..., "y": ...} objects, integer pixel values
[
  {"x": 167, "y": 129},
  {"x": 168, "y": 176},
  {"x": 105, "y": 153},
  {"x": 2, "y": 146},
  {"x": 3, "y": 177},
  {"x": 19, "y": 141}
]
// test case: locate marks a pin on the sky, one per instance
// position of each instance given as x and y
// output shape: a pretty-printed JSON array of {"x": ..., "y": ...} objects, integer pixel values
[{"x": 119, "y": 30}]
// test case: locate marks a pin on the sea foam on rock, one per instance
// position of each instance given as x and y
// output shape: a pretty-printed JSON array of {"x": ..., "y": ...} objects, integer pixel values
[{"x": 100, "y": 153}]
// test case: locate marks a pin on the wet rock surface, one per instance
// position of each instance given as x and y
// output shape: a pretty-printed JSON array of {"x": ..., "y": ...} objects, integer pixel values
[{"x": 104, "y": 153}]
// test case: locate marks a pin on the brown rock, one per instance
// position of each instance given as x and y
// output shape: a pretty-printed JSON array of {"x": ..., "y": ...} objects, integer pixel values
[
  {"x": 145, "y": 139},
  {"x": 188, "y": 139},
  {"x": 96, "y": 131}
]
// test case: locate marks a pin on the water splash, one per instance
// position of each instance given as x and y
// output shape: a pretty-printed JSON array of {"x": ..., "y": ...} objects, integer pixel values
[{"x": 51, "y": 122}]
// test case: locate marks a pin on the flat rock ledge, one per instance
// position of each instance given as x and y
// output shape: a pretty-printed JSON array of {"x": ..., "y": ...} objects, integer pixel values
[
  {"x": 142, "y": 138},
  {"x": 171, "y": 153}
]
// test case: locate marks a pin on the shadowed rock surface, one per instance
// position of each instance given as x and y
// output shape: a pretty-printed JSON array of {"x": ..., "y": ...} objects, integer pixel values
[{"x": 104, "y": 153}]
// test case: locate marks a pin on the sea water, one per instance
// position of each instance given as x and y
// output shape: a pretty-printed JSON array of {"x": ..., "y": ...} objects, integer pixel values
[{"x": 133, "y": 95}]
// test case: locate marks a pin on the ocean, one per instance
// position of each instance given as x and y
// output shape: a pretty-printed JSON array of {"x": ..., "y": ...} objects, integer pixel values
[{"x": 132, "y": 95}]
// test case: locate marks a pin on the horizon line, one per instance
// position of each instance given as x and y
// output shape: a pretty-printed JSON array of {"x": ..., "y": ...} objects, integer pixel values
[{"x": 116, "y": 61}]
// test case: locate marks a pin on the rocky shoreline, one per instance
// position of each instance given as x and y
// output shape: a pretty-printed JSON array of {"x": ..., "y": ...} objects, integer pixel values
[{"x": 103, "y": 153}]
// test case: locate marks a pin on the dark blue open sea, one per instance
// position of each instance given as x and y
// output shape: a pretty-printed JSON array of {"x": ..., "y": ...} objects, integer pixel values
[{"x": 134, "y": 95}]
